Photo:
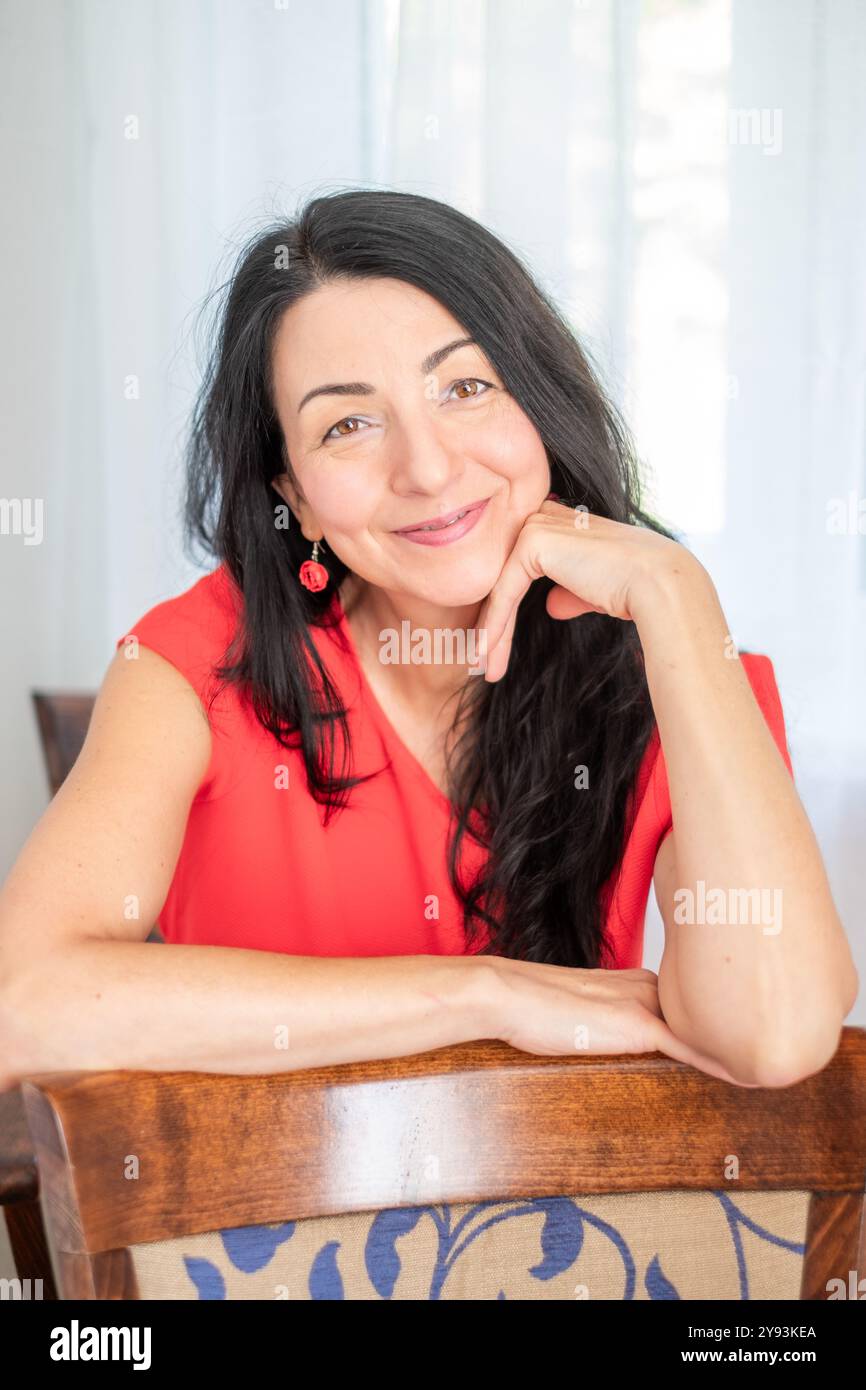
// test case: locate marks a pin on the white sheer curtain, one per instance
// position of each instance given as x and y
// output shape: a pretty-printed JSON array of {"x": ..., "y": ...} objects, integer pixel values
[
  {"x": 685, "y": 178},
  {"x": 688, "y": 180}
]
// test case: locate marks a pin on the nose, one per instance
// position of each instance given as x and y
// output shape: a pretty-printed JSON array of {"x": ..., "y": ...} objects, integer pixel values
[{"x": 426, "y": 462}]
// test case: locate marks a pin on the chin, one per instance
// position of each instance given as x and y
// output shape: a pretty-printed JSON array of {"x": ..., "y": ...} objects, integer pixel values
[{"x": 460, "y": 589}]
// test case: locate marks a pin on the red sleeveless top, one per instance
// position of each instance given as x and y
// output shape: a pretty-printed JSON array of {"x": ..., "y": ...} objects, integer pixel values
[{"x": 257, "y": 867}]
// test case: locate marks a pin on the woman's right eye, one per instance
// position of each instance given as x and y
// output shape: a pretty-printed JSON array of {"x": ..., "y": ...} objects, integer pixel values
[{"x": 348, "y": 420}]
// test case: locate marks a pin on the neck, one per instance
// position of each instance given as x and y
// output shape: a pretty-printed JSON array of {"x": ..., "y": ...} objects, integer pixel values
[{"x": 373, "y": 612}]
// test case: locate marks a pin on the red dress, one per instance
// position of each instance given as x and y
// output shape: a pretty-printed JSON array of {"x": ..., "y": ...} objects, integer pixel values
[{"x": 258, "y": 869}]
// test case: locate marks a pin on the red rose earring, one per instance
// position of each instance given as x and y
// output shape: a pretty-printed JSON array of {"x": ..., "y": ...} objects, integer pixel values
[{"x": 312, "y": 573}]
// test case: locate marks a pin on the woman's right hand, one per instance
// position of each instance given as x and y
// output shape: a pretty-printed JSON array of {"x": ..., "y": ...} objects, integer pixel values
[{"x": 562, "y": 1011}]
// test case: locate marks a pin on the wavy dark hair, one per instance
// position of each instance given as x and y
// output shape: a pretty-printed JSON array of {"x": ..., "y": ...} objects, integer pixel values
[{"x": 575, "y": 692}]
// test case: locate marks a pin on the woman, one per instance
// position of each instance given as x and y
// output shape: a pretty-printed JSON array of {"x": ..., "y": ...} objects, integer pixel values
[{"x": 363, "y": 844}]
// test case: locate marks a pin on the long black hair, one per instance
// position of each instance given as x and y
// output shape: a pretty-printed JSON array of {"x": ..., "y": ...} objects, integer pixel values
[{"x": 575, "y": 692}]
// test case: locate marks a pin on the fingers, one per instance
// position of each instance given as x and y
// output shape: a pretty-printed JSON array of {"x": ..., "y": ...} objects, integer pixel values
[
  {"x": 497, "y": 665},
  {"x": 561, "y": 603},
  {"x": 500, "y": 614}
]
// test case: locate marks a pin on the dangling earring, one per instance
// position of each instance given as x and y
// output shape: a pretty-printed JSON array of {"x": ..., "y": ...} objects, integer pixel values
[{"x": 312, "y": 573}]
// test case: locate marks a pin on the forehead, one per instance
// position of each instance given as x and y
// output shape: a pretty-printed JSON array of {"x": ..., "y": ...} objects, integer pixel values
[{"x": 348, "y": 328}]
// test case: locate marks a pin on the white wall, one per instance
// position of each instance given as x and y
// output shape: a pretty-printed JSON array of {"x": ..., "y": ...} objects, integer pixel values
[{"x": 108, "y": 246}]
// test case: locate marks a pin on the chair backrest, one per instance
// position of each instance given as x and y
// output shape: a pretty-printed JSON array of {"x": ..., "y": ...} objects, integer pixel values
[
  {"x": 129, "y": 1159},
  {"x": 63, "y": 720}
]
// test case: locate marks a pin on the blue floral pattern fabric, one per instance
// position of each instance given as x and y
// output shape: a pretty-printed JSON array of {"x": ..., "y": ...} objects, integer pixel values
[{"x": 541, "y": 1247}]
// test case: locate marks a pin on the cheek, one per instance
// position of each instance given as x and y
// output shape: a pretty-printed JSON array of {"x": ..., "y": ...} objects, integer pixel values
[
  {"x": 339, "y": 495},
  {"x": 512, "y": 446}
]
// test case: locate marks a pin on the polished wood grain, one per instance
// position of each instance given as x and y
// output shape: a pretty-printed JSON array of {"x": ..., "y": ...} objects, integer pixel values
[
  {"x": 18, "y": 1178},
  {"x": 835, "y": 1243},
  {"x": 129, "y": 1157},
  {"x": 29, "y": 1245}
]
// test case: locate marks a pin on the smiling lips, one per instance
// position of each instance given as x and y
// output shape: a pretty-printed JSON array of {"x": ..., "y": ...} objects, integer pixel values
[{"x": 444, "y": 529}]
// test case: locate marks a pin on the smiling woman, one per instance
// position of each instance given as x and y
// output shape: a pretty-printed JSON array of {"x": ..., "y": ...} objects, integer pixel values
[
  {"x": 413, "y": 371},
  {"x": 388, "y": 376},
  {"x": 431, "y": 443}
]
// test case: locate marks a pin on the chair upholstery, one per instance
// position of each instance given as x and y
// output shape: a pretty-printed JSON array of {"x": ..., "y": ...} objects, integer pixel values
[{"x": 641, "y": 1245}]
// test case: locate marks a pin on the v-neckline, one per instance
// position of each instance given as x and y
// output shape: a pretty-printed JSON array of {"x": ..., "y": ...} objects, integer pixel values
[{"x": 386, "y": 727}]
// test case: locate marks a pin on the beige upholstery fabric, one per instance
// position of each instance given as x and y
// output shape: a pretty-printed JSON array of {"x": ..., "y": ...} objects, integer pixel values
[{"x": 687, "y": 1245}]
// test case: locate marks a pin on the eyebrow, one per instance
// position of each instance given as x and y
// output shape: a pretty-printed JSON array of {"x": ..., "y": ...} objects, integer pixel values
[{"x": 363, "y": 388}]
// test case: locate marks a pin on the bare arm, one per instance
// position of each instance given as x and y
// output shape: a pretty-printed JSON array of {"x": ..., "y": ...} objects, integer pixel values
[
  {"x": 767, "y": 997},
  {"x": 103, "y": 1005},
  {"x": 80, "y": 988}
]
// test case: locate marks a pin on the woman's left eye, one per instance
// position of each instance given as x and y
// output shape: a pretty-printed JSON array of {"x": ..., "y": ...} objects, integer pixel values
[{"x": 472, "y": 381}]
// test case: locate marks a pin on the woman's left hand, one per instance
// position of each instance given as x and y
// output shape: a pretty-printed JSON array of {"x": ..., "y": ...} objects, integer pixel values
[{"x": 597, "y": 565}]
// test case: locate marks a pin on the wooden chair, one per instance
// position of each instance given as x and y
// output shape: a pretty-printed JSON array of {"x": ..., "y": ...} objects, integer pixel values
[
  {"x": 63, "y": 721},
  {"x": 469, "y": 1172}
]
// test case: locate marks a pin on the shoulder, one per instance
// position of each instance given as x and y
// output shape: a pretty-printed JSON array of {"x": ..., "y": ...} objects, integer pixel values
[
  {"x": 760, "y": 671},
  {"x": 213, "y": 600},
  {"x": 762, "y": 678},
  {"x": 195, "y": 632},
  {"x": 193, "y": 629},
  {"x": 650, "y": 811}
]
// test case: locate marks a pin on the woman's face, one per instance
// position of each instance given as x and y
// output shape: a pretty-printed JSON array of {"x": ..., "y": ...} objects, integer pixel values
[{"x": 386, "y": 431}]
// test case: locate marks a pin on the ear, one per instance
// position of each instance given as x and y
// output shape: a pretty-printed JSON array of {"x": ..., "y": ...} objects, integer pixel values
[
  {"x": 286, "y": 488},
  {"x": 284, "y": 485}
]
